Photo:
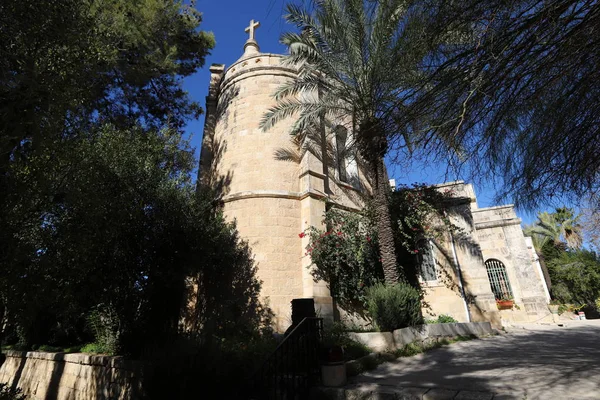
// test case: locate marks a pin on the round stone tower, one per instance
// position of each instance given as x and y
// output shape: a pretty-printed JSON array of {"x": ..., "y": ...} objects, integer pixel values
[{"x": 272, "y": 200}]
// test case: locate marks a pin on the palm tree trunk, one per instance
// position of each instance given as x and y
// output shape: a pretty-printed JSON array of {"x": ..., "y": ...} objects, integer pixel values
[{"x": 387, "y": 248}]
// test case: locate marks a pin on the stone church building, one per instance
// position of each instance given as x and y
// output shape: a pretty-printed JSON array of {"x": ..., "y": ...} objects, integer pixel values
[{"x": 273, "y": 200}]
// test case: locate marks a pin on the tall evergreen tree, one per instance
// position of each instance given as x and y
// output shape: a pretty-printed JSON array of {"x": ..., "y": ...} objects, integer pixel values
[{"x": 68, "y": 67}]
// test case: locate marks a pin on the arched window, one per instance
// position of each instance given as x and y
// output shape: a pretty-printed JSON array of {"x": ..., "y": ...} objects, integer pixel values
[
  {"x": 341, "y": 136},
  {"x": 498, "y": 279},
  {"x": 426, "y": 260}
]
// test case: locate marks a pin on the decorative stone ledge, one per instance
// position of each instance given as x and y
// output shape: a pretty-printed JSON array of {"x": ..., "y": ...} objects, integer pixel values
[
  {"x": 497, "y": 223},
  {"x": 389, "y": 341}
]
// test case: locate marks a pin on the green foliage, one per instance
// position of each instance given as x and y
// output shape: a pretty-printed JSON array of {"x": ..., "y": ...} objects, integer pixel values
[
  {"x": 224, "y": 367},
  {"x": 409, "y": 350},
  {"x": 530, "y": 132},
  {"x": 394, "y": 306},
  {"x": 363, "y": 58},
  {"x": 57, "y": 349},
  {"x": 442, "y": 319},
  {"x": 419, "y": 214},
  {"x": 94, "y": 176},
  {"x": 104, "y": 323},
  {"x": 130, "y": 56},
  {"x": 576, "y": 277},
  {"x": 130, "y": 192},
  {"x": 9, "y": 393},
  {"x": 346, "y": 256},
  {"x": 94, "y": 348},
  {"x": 560, "y": 228},
  {"x": 337, "y": 335}
]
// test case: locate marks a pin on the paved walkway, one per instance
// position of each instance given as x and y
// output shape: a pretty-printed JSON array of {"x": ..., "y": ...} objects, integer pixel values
[{"x": 548, "y": 362}]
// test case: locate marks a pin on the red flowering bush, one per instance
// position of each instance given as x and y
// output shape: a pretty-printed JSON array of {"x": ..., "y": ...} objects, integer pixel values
[
  {"x": 346, "y": 256},
  {"x": 346, "y": 253}
]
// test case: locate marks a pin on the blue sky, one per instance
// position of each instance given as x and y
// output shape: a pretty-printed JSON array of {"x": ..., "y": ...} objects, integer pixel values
[{"x": 227, "y": 19}]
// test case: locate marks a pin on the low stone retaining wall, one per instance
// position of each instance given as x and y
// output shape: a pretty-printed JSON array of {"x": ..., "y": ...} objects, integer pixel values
[
  {"x": 71, "y": 376},
  {"x": 389, "y": 341}
]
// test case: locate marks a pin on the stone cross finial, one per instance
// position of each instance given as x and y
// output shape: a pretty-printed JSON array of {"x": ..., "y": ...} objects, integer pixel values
[{"x": 252, "y": 28}]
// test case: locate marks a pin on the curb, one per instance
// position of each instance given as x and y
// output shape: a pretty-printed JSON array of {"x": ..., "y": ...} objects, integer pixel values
[{"x": 383, "y": 392}]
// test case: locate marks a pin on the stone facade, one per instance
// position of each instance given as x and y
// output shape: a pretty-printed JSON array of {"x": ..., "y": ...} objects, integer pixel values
[
  {"x": 462, "y": 288},
  {"x": 501, "y": 238},
  {"x": 271, "y": 199},
  {"x": 72, "y": 376},
  {"x": 486, "y": 234}
]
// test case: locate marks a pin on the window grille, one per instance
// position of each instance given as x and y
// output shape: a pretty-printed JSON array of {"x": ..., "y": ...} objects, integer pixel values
[
  {"x": 427, "y": 261},
  {"x": 498, "y": 279}
]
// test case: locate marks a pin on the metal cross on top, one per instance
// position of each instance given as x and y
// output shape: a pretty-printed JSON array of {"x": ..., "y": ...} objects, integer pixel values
[{"x": 251, "y": 28}]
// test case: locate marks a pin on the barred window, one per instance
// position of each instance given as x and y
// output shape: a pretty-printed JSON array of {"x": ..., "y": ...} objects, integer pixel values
[
  {"x": 498, "y": 279},
  {"x": 426, "y": 259}
]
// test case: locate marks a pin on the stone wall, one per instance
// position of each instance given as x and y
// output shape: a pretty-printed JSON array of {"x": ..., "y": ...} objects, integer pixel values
[
  {"x": 71, "y": 376},
  {"x": 462, "y": 289},
  {"x": 271, "y": 189},
  {"x": 444, "y": 295},
  {"x": 501, "y": 238},
  {"x": 389, "y": 341}
]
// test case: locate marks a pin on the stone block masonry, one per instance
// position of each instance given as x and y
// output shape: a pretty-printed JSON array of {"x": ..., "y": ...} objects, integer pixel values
[
  {"x": 389, "y": 341},
  {"x": 72, "y": 376}
]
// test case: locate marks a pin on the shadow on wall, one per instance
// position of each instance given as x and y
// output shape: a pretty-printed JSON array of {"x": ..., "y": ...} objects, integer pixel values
[
  {"x": 465, "y": 244},
  {"x": 53, "y": 376},
  {"x": 311, "y": 143},
  {"x": 213, "y": 149}
]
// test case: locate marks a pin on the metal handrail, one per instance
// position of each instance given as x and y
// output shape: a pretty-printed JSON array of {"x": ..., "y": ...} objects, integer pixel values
[{"x": 293, "y": 367}]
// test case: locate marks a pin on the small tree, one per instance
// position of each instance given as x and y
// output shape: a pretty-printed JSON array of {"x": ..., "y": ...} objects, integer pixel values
[{"x": 576, "y": 277}]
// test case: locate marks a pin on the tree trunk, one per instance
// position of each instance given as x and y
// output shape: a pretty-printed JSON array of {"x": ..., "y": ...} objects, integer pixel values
[
  {"x": 384, "y": 224},
  {"x": 545, "y": 272}
]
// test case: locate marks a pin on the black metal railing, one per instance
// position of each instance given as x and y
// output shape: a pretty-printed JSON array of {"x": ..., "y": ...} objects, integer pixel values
[{"x": 290, "y": 371}]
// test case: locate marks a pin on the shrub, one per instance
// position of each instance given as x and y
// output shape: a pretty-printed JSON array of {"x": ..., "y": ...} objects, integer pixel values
[
  {"x": 94, "y": 348},
  {"x": 346, "y": 256},
  {"x": 337, "y": 335},
  {"x": 442, "y": 319},
  {"x": 104, "y": 322},
  {"x": 221, "y": 366},
  {"x": 9, "y": 393},
  {"x": 394, "y": 306}
]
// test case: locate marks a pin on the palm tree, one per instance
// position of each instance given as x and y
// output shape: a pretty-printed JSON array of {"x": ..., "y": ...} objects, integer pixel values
[
  {"x": 358, "y": 61},
  {"x": 560, "y": 229}
]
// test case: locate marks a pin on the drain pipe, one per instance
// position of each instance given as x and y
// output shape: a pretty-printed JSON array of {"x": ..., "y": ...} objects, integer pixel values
[{"x": 460, "y": 279}]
